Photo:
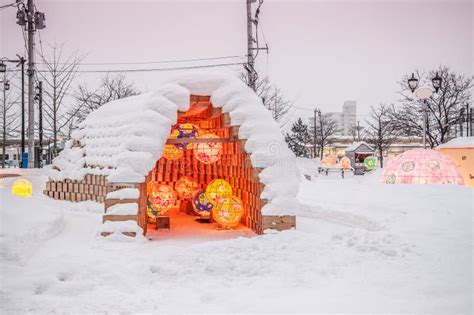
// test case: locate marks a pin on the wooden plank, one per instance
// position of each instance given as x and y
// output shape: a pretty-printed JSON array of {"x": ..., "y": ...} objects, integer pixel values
[
  {"x": 116, "y": 217},
  {"x": 197, "y": 140}
]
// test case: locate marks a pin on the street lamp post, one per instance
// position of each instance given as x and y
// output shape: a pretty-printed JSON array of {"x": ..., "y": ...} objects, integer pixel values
[{"x": 424, "y": 93}]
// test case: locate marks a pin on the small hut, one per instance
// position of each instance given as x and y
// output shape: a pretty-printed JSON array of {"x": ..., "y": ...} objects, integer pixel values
[
  {"x": 201, "y": 127},
  {"x": 357, "y": 152},
  {"x": 461, "y": 151}
]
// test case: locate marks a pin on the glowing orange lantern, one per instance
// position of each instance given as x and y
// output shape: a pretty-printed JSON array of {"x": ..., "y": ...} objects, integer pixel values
[
  {"x": 161, "y": 198},
  {"x": 228, "y": 212},
  {"x": 208, "y": 152},
  {"x": 186, "y": 187},
  {"x": 22, "y": 187},
  {"x": 171, "y": 152},
  {"x": 345, "y": 163},
  {"x": 329, "y": 160},
  {"x": 217, "y": 189}
]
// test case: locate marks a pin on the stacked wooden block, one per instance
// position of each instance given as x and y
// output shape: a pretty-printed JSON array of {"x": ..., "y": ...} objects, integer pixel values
[{"x": 92, "y": 187}]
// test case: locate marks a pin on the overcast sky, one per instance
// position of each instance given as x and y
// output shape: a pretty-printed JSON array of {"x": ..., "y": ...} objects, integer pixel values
[{"x": 321, "y": 52}]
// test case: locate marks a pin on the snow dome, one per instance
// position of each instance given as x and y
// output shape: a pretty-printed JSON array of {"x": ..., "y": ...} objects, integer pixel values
[
  {"x": 421, "y": 166},
  {"x": 222, "y": 131}
]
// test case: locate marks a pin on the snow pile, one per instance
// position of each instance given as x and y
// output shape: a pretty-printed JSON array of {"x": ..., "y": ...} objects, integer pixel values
[
  {"x": 124, "y": 193},
  {"x": 464, "y": 142},
  {"x": 35, "y": 220},
  {"x": 123, "y": 209},
  {"x": 123, "y": 139}
]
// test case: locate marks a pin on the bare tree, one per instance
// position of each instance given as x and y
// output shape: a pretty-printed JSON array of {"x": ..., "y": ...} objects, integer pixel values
[
  {"x": 273, "y": 98},
  {"x": 326, "y": 127},
  {"x": 443, "y": 107},
  {"x": 9, "y": 112},
  {"x": 60, "y": 72},
  {"x": 380, "y": 131},
  {"x": 110, "y": 88}
]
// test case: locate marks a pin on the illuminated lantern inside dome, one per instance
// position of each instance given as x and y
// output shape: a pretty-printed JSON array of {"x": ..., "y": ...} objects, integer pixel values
[
  {"x": 370, "y": 162},
  {"x": 217, "y": 189},
  {"x": 186, "y": 187},
  {"x": 172, "y": 152},
  {"x": 345, "y": 163},
  {"x": 329, "y": 160},
  {"x": 161, "y": 198},
  {"x": 22, "y": 187},
  {"x": 208, "y": 152},
  {"x": 201, "y": 204},
  {"x": 228, "y": 212},
  {"x": 184, "y": 131}
]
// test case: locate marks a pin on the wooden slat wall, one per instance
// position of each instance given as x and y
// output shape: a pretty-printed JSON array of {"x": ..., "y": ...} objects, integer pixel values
[{"x": 93, "y": 187}]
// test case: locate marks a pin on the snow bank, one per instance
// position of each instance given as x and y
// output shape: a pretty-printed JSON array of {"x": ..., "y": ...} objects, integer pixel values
[
  {"x": 464, "y": 142},
  {"x": 123, "y": 139},
  {"x": 34, "y": 221}
]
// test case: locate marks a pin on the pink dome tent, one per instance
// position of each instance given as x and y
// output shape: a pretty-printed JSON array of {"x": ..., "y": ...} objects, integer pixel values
[{"x": 421, "y": 166}]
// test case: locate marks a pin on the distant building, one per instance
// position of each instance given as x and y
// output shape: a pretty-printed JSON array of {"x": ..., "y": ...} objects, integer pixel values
[
  {"x": 345, "y": 120},
  {"x": 349, "y": 116}
]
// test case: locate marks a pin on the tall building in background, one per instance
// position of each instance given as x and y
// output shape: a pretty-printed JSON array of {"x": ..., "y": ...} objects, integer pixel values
[
  {"x": 345, "y": 120},
  {"x": 349, "y": 116}
]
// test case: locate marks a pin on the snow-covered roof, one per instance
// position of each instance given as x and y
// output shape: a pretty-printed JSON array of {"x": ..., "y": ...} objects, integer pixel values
[
  {"x": 356, "y": 145},
  {"x": 463, "y": 142},
  {"x": 123, "y": 139}
]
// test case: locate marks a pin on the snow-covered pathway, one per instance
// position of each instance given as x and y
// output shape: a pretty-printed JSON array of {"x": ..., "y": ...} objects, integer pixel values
[{"x": 403, "y": 249}]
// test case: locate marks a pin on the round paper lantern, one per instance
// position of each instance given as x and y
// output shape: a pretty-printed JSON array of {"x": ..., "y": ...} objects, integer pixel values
[
  {"x": 228, "y": 212},
  {"x": 345, "y": 163},
  {"x": 186, "y": 187},
  {"x": 161, "y": 198},
  {"x": 183, "y": 131},
  {"x": 329, "y": 160},
  {"x": 172, "y": 152},
  {"x": 217, "y": 189},
  {"x": 22, "y": 187},
  {"x": 208, "y": 152},
  {"x": 370, "y": 162},
  {"x": 201, "y": 204}
]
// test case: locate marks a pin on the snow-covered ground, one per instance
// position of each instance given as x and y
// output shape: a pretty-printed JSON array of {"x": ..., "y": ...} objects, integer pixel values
[{"x": 359, "y": 247}]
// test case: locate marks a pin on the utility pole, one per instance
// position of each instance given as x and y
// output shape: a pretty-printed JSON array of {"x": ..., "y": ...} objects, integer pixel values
[
  {"x": 40, "y": 103},
  {"x": 252, "y": 23},
  {"x": 315, "y": 133},
  {"x": 467, "y": 120},
  {"x": 358, "y": 131},
  {"x": 470, "y": 121},
  {"x": 321, "y": 147},
  {"x": 31, "y": 96},
  {"x": 22, "y": 62},
  {"x": 4, "y": 116}
]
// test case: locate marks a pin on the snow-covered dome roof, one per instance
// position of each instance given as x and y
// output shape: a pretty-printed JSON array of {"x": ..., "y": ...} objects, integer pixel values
[
  {"x": 123, "y": 139},
  {"x": 421, "y": 166}
]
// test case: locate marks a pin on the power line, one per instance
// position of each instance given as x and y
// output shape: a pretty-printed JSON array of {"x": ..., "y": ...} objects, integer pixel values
[
  {"x": 155, "y": 62},
  {"x": 155, "y": 69},
  {"x": 7, "y": 6}
]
